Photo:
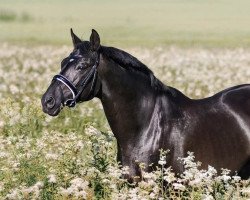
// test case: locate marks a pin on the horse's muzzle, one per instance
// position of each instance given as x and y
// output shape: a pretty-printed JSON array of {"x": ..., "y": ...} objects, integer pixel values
[{"x": 50, "y": 105}]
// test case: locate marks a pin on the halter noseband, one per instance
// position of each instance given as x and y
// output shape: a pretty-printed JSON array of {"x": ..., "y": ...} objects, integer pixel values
[{"x": 92, "y": 74}]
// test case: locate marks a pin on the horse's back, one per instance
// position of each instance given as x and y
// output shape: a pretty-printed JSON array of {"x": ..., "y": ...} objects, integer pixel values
[
  {"x": 236, "y": 103},
  {"x": 238, "y": 99},
  {"x": 218, "y": 128}
]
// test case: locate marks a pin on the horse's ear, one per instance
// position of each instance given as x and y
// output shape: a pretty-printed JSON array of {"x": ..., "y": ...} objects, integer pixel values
[
  {"x": 75, "y": 39},
  {"x": 94, "y": 41}
]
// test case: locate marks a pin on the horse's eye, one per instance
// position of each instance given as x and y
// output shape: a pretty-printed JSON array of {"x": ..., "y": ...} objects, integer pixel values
[{"x": 80, "y": 66}]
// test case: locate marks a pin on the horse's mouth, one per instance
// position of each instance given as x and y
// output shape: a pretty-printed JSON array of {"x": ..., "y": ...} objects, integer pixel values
[{"x": 53, "y": 112}]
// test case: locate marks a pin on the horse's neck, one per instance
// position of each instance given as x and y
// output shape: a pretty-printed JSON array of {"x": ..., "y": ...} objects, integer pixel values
[{"x": 129, "y": 100}]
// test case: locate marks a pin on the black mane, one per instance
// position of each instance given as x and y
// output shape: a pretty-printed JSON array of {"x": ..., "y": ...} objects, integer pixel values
[
  {"x": 125, "y": 60},
  {"x": 129, "y": 62}
]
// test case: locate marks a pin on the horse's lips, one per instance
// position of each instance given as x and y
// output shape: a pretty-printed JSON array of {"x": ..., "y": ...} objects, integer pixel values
[{"x": 55, "y": 112}]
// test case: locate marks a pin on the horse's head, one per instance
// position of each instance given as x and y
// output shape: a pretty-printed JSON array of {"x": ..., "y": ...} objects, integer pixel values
[{"x": 77, "y": 80}]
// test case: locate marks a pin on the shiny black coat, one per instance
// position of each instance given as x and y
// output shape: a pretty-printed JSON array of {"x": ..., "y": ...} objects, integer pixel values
[{"x": 146, "y": 116}]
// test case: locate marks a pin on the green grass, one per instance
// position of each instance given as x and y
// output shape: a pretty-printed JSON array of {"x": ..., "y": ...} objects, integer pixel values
[{"x": 210, "y": 23}]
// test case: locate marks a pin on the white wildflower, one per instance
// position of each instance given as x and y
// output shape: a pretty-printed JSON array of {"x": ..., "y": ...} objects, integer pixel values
[
  {"x": 211, "y": 171},
  {"x": 2, "y": 123},
  {"x": 77, "y": 189},
  {"x": 51, "y": 178},
  {"x": 91, "y": 131},
  {"x": 236, "y": 178},
  {"x": 207, "y": 197},
  {"x": 51, "y": 156},
  {"x": 169, "y": 177},
  {"x": 179, "y": 186},
  {"x": 79, "y": 145},
  {"x": 225, "y": 178},
  {"x": 64, "y": 192},
  {"x": 246, "y": 191},
  {"x": 152, "y": 195},
  {"x": 3, "y": 155},
  {"x": 225, "y": 175},
  {"x": 125, "y": 170},
  {"x": 14, "y": 89},
  {"x": 162, "y": 162},
  {"x": 39, "y": 185},
  {"x": 149, "y": 176},
  {"x": 14, "y": 195},
  {"x": 196, "y": 182},
  {"x": 1, "y": 186},
  {"x": 79, "y": 183}
]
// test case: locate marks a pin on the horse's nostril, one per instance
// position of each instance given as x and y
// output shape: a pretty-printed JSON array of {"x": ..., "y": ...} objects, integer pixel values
[{"x": 50, "y": 102}]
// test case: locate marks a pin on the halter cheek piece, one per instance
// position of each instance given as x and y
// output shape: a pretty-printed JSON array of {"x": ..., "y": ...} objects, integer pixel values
[{"x": 92, "y": 74}]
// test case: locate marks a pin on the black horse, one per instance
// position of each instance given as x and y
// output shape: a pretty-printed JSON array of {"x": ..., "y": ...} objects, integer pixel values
[{"x": 145, "y": 115}]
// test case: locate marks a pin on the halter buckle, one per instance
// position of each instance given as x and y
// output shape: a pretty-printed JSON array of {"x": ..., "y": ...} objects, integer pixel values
[{"x": 70, "y": 103}]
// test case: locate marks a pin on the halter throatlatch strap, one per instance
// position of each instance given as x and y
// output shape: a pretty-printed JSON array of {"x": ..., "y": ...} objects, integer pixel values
[{"x": 92, "y": 75}]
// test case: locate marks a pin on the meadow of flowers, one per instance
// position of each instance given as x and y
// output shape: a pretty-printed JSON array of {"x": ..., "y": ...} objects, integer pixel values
[{"x": 73, "y": 156}]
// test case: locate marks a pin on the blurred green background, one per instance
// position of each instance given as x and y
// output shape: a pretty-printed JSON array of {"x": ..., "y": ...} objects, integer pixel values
[{"x": 209, "y": 23}]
